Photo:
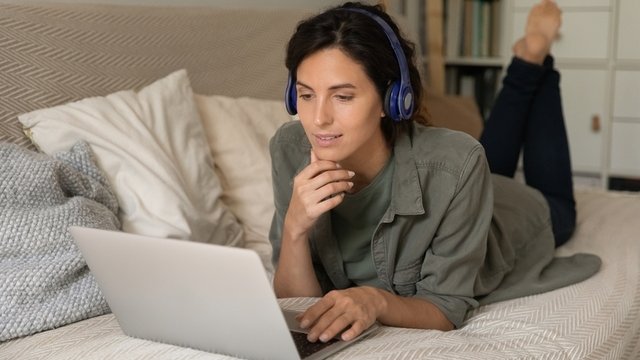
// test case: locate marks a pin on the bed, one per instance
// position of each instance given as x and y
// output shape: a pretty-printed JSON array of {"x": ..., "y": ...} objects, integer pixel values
[{"x": 55, "y": 54}]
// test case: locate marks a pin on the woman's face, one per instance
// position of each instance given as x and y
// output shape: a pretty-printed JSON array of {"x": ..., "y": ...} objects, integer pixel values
[{"x": 340, "y": 109}]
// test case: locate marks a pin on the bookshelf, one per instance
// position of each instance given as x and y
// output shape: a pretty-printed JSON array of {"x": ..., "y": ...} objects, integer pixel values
[{"x": 472, "y": 31}]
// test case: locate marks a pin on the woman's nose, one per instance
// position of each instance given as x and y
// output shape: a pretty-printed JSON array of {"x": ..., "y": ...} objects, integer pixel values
[{"x": 322, "y": 114}]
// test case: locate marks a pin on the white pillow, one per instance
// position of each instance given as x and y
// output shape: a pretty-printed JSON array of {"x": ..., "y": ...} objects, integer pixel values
[
  {"x": 239, "y": 130},
  {"x": 153, "y": 149}
]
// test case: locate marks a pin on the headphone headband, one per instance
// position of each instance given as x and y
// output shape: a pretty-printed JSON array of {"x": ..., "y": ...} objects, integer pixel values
[
  {"x": 393, "y": 40},
  {"x": 398, "y": 102}
]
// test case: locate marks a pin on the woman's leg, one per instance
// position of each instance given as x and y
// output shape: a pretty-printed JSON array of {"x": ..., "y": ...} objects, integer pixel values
[
  {"x": 504, "y": 131},
  {"x": 546, "y": 160},
  {"x": 528, "y": 114}
]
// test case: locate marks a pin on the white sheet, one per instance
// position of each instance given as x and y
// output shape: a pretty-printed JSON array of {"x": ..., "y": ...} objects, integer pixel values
[{"x": 596, "y": 319}]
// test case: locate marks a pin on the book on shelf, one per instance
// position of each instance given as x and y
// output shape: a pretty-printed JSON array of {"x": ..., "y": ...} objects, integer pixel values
[
  {"x": 454, "y": 15},
  {"x": 472, "y": 28},
  {"x": 495, "y": 29},
  {"x": 472, "y": 38},
  {"x": 467, "y": 33}
]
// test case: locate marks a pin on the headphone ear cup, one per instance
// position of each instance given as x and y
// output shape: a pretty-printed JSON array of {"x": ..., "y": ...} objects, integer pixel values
[
  {"x": 391, "y": 102},
  {"x": 405, "y": 103},
  {"x": 291, "y": 97}
]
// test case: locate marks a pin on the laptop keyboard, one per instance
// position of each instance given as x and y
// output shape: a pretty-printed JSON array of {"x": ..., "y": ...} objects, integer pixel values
[{"x": 305, "y": 347}]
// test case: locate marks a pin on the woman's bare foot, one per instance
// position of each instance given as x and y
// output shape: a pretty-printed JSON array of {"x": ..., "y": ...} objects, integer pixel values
[{"x": 543, "y": 24}]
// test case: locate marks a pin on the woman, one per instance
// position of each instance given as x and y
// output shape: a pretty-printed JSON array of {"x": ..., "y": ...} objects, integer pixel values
[{"x": 392, "y": 221}]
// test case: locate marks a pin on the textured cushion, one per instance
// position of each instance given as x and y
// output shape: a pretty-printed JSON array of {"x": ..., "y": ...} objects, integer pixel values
[
  {"x": 152, "y": 147},
  {"x": 44, "y": 281},
  {"x": 238, "y": 130}
]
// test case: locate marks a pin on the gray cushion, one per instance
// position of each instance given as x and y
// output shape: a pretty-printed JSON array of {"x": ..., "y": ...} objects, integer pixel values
[{"x": 44, "y": 281}]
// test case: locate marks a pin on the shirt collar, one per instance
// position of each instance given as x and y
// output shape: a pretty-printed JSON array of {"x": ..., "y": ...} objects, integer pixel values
[{"x": 406, "y": 192}]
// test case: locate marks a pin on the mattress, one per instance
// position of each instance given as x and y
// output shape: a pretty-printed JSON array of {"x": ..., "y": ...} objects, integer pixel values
[{"x": 596, "y": 319}]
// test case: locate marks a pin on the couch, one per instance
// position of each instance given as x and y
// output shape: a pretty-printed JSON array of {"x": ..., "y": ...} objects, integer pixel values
[{"x": 205, "y": 86}]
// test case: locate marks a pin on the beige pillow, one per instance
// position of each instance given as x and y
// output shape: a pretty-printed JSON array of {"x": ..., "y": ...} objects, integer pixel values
[
  {"x": 239, "y": 130},
  {"x": 453, "y": 112},
  {"x": 152, "y": 147}
]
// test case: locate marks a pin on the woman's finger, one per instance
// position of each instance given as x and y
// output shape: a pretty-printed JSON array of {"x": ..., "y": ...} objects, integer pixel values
[
  {"x": 317, "y": 168},
  {"x": 357, "y": 327},
  {"x": 313, "y": 313}
]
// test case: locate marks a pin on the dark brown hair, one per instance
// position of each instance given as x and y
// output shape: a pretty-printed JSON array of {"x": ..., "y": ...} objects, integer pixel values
[{"x": 362, "y": 39}]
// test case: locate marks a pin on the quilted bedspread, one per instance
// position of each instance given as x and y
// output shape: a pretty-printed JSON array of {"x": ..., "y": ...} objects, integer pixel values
[{"x": 595, "y": 319}]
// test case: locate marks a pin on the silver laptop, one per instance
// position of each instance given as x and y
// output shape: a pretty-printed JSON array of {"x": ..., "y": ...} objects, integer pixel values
[{"x": 207, "y": 297}]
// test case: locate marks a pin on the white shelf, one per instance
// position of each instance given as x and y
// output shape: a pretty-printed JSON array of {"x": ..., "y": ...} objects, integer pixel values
[
  {"x": 624, "y": 64},
  {"x": 475, "y": 61}
]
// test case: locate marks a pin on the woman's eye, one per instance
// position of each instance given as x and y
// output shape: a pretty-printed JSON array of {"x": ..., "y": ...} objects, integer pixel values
[
  {"x": 344, "y": 97},
  {"x": 305, "y": 96}
]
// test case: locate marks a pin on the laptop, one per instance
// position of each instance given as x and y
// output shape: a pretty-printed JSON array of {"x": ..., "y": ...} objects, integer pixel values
[{"x": 202, "y": 296}]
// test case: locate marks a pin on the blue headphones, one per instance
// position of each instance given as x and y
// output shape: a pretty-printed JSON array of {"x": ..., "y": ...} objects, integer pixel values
[{"x": 398, "y": 101}]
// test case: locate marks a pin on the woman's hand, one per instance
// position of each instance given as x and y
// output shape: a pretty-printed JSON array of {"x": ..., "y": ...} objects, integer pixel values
[
  {"x": 354, "y": 309},
  {"x": 317, "y": 189}
]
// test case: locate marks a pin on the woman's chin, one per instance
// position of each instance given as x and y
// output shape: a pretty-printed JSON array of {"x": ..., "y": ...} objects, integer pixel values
[{"x": 325, "y": 154}]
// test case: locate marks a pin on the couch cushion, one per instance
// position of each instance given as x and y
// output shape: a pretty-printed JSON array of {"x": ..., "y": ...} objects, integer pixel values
[
  {"x": 56, "y": 53},
  {"x": 454, "y": 112},
  {"x": 44, "y": 281},
  {"x": 238, "y": 131},
  {"x": 152, "y": 146}
]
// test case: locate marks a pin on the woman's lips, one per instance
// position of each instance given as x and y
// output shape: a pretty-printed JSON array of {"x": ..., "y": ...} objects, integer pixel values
[{"x": 325, "y": 140}]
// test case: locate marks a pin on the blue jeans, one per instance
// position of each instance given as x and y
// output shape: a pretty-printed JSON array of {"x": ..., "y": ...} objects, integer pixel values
[{"x": 527, "y": 116}]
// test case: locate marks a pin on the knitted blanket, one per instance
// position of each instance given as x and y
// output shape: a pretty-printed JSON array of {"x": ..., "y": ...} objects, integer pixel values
[{"x": 44, "y": 281}]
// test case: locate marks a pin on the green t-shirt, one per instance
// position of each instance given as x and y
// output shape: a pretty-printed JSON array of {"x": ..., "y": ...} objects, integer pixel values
[{"x": 354, "y": 222}]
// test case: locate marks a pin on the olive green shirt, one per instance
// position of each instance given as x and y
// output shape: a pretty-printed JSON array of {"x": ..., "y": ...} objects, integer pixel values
[
  {"x": 355, "y": 220},
  {"x": 453, "y": 234}
]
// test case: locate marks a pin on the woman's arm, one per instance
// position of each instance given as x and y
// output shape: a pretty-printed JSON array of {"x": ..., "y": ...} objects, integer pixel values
[
  {"x": 294, "y": 275},
  {"x": 317, "y": 189},
  {"x": 359, "y": 307},
  {"x": 412, "y": 312},
  {"x": 446, "y": 289}
]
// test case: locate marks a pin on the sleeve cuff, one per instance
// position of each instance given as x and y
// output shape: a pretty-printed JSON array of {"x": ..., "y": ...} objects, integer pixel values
[{"x": 454, "y": 309}]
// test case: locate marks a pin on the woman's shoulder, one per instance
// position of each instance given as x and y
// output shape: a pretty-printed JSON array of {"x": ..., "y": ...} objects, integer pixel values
[
  {"x": 440, "y": 136},
  {"x": 289, "y": 146},
  {"x": 438, "y": 144},
  {"x": 290, "y": 132}
]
